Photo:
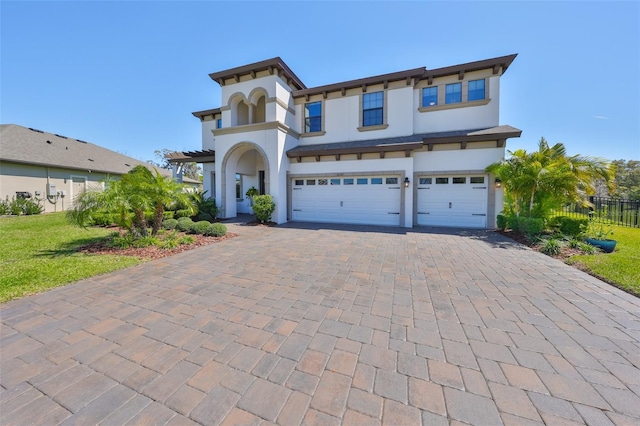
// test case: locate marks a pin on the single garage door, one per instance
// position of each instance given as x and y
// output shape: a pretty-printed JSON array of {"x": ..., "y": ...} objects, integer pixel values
[
  {"x": 359, "y": 200},
  {"x": 456, "y": 201}
]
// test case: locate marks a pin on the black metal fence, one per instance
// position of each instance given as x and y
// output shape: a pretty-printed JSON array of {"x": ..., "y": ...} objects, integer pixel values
[{"x": 619, "y": 212}]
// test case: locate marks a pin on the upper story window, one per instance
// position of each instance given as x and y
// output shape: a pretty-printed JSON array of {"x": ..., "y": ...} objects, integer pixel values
[
  {"x": 219, "y": 123},
  {"x": 453, "y": 93},
  {"x": 430, "y": 96},
  {"x": 313, "y": 117},
  {"x": 476, "y": 90},
  {"x": 372, "y": 109}
]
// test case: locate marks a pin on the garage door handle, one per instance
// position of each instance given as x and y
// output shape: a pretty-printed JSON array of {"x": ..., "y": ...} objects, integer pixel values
[
  {"x": 297, "y": 210},
  {"x": 393, "y": 213},
  {"x": 423, "y": 213},
  {"x": 479, "y": 187},
  {"x": 478, "y": 214}
]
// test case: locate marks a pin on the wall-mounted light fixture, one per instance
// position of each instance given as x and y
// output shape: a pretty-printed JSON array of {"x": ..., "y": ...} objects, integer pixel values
[
  {"x": 406, "y": 182},
  {"x": 498, "y": 183}
]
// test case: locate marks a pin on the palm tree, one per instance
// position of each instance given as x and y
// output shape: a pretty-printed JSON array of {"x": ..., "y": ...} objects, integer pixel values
[
  {"x": 131, "y": 199},
  {"x": 538, "y": 182}
]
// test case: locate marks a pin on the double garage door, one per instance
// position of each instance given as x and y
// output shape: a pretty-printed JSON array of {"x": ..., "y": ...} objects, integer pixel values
[
  {"x": 372, "y": 200},
  {"x": 456, "y": 201}
]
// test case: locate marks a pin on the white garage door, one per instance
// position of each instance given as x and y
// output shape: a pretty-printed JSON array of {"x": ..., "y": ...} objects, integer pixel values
[
  {"x": 457, "y": 201},
  {"x": 360, "y": 200}
]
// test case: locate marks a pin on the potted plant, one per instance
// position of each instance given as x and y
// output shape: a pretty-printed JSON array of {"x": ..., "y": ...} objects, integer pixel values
[
  {"x": 598, "y": 231},
  {"x": 251, "y": 192}
]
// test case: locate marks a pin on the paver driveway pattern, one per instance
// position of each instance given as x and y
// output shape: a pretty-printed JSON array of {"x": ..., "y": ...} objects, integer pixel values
[{"x": 304, "y": 324}]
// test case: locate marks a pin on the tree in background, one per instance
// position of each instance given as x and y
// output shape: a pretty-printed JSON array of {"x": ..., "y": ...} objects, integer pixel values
[
  {"x": 538, "y": 182},
  {"x": 190, "y": 170},
  {"x": 135, "y": 202},
  {"x": 627, "y": 178}
]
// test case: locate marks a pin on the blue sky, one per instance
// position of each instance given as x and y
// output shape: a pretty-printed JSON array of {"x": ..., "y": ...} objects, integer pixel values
[{"x": 127, "y": 75}]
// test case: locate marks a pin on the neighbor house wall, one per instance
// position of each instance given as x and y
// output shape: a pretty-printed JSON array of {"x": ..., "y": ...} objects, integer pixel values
[{"x": 23, "y": 177}]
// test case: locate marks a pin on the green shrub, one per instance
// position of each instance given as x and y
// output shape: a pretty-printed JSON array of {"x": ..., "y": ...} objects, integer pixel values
[
  {"x": 184, "y": 219},
  {"x": 186, "y": 213},
  {"x": 5, "y": 207},
  {"x": 167, "y": 214},
  {"x": 32, "y": 207},
  {"x": 169, "y": 224},
  {"x": 103, "y": 219},
  {"x": 121, "y": 241},
  {"x": 551, "y": 246},
  {"x": 530, "y": 225},
  {"x": 575, "y": 243},
  {"x": 512, "y": 222},
  {"x": 199, "y": 227},
  {"x": 207, "y": 209},
  {"x": 145, "y": 242},
  {"x": 184, "y": 224},
  {"x": 186, "y": 239},
  {"x": 568, "y": 225},
  {"x": 216, "y": 230},
  {"x": 263, "y": 207},
  {"x": 588, "y": 248},
  {"x": 501, "y": 222}
]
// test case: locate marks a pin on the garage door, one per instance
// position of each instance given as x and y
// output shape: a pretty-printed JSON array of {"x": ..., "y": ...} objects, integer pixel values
[
  {"x": 360, "y": 200},
  {"x": 457, "y": 201}
]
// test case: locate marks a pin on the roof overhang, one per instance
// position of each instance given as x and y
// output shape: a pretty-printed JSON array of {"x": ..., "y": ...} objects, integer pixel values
[
  {"x": 274, "y": 66},
  {"x": 204, "y": 113},
  {"x": 498, "y": 65},
  {"x": 205, "y": 156}
]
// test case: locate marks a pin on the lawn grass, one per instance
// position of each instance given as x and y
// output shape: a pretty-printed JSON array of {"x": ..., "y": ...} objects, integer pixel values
[
  {"x": 38, "y": 253},
  {"x": 622, "y": 267}
]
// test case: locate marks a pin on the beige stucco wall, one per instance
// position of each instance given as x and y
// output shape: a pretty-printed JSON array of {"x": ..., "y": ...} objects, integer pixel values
[{"x": 22, "y": 177}]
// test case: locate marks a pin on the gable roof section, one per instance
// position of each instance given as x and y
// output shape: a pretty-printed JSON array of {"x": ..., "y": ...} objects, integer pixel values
[
  {"x": 30, "y": 146},
  {"x": 406, "y": 143},
  {"x": 272, "y": 65}
]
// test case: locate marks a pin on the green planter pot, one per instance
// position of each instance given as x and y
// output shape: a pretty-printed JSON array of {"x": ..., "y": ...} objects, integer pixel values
[{"x": 606, "y": 246}]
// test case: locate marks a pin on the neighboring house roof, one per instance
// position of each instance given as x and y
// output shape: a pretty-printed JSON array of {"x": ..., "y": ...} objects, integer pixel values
[
  {"x": 31, "y": 146},
  {"x": 406, "y": 143}
]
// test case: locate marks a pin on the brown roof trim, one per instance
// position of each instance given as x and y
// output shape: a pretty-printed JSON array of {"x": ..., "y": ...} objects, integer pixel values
[
  {"x": 205, "y": 156},
  {"x": 502, "y": 61},
  {"x": 501, "y": 132},
  {"x": 270, "y": 64},
  {"x": 392, "y": 147},
  {"x": 201, "y": 114},
  {"x": 394, "y": 76}
]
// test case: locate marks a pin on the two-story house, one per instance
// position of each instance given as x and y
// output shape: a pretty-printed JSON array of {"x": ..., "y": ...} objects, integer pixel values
[{"x": 402, "y": 149}]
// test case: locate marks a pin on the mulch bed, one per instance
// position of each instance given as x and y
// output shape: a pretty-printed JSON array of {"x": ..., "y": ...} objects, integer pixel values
[{"x": 152, "y": 252}]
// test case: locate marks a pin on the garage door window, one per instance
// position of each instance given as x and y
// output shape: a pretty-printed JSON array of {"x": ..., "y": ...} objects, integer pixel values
[
  {"x": 335, "y": 181},
  {"x": 311, "y": 181},
  {"x": 477, "y": 179},
  {"x": 442, "y": 181},
  {"x": 299, "y": 182},
  {"x": 425, "y": 181},
  {"x": 363, "y": 181},
  {"x": 322, "y": 181},
  {"x": 348, "y": 181},
  {"x": 459, "y": 180},
  {"x": 391, "y": 181},
  {"x": 376, "y": 181}
]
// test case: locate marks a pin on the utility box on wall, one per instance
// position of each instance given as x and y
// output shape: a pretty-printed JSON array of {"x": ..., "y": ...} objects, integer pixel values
[{"x": 51, "y": 190}]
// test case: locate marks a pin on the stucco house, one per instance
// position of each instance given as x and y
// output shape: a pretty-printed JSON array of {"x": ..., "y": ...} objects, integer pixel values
[
  {"x": 404, "y": 149},
  {"x": 56, "y": 168}
]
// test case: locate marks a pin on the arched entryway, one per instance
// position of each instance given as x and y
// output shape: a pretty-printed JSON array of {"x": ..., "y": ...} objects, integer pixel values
[{"x": 245, "y": 165}]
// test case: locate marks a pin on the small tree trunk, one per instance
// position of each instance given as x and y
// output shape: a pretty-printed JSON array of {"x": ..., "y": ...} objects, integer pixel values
[
  {"x": 157, "y": 219},
  {"x": 140, "y": 223}
]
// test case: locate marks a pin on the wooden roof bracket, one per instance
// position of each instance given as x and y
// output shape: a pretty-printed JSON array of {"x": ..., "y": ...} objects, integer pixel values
[
  {"x": 253, "y": 73},
  {"x": 385, "y": 84},
  {"x": 343, "y": 91},
  {"x": 407, "y": 153},
  {"x": 496, "y": 69},
  {"x": 364, "y": 88},
  {"x": 430, "y": 80},
  {"x": 299, "y": 159},
  {"x": 430, "y": 146},
  {"x": 461, "y": 75},
  {"x": 463, "y": 145},
  {"x": 236, "y": 77},
  {"x": 382, "y": 153},
  {"x": 324, "y": 94},
  {"x": 359, "y": 156},
  {"x": 500, "y": 143},
  {"x": 317, "y": 158},
  {"x": 337, "y": 157}
]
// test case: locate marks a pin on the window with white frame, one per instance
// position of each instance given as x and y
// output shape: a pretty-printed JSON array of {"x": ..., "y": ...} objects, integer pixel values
[
  {"x": 239, "y": 196},
  {"x": 372, "y": 109},
  {"x": 313, "y": 117}
]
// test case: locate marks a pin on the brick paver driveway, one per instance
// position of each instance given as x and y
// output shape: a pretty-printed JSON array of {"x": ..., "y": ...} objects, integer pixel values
[{"x": 303, "y": 324}]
